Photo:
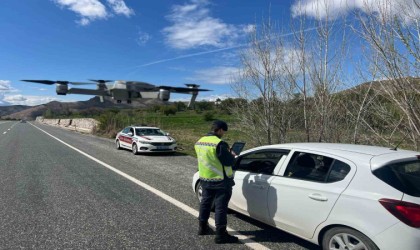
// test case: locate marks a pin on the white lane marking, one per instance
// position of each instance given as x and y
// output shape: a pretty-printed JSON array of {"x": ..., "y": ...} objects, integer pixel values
[
  {"x": 5, "y": 132},
  {"x": 245, "y": 239}
]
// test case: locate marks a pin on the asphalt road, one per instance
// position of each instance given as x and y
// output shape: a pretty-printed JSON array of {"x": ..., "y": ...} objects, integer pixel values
[{"x": 53, "y": 196}]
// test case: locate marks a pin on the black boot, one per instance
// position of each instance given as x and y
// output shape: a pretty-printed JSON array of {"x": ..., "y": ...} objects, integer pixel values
[
  {"x": 223, "y": 237},
  {"x": 204, "y": 229}
]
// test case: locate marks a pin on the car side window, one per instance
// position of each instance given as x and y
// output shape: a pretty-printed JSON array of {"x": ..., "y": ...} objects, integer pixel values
[
  {"x": 338, "y": 172},
  {"x": 125, "y": 131},
  {"x": 262, "y": 162},
  {"x": 318, "y": 168}
]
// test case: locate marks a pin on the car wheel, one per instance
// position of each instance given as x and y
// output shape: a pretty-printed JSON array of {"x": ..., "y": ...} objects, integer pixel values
[
  {"x": 346, "y": 238},
  {"x": 118, "y": 144},
  {"x": 199, "y": 194},
  {"x": 134, "y": 149}
]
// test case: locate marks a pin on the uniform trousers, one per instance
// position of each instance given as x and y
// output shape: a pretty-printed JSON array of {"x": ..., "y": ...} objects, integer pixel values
[{"x": 221, "y": 197}]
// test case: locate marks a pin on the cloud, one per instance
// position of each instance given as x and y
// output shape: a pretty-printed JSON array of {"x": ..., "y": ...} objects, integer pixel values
[
  {"x": 193, "y": 26},
  {"x": 209, "y": 98},
  {"x": 143, "y": 38},
  {"x": 334, "y": 9},
  {"x": 320, "y": 9},
  {"x": 26, "y": 100},
  {"x": 6, "y": 87},
  {"x": 216, "y": 75},
  {"x": 91, "y": 10},
  {"x": 119, "y": 7}
]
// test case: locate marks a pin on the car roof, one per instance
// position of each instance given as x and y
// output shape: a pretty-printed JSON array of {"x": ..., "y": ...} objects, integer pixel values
[{"x": 372, "y": 155}]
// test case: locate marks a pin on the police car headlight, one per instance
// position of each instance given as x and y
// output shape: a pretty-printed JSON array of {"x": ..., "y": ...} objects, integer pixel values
[{"x": 144, "y": 142}]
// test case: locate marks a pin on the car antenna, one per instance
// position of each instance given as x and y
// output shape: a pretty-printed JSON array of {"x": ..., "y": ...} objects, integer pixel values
[{"x": 399, "y": 143}]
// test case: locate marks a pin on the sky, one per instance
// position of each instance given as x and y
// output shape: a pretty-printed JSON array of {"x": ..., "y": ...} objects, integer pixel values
[{"x": 160, "y": 42}]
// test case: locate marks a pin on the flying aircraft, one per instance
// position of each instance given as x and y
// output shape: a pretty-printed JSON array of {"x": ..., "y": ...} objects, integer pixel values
[{"x": 124, "y": 90}]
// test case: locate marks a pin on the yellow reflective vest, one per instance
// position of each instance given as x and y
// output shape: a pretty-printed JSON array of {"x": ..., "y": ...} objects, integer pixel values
[{"x": 209, "y": 166}]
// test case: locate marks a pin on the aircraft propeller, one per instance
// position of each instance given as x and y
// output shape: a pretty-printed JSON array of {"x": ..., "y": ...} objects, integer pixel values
[{"x": 49, "y": 82}]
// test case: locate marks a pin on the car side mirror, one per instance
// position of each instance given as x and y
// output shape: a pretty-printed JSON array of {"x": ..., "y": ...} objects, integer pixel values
[
  {"x": 130, "y": 133},
  {"x": 167, "y": 134}
]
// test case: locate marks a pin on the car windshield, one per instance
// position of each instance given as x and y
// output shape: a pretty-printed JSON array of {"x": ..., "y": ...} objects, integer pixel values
[
  {"x": 149, "y": 131},
  {"x": 404, "y": 176}
]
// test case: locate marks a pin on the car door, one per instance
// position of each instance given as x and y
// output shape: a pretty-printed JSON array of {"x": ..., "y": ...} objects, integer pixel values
[
  {"x": 123, "y": 137},
  {"x": 253, "y": 174},
  {"x": 304, "y": 195}
]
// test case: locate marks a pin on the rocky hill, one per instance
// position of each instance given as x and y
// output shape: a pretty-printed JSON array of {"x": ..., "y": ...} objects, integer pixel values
[
  {"x": 7, "y": 110},
  {"x": 89, "y": 107}
]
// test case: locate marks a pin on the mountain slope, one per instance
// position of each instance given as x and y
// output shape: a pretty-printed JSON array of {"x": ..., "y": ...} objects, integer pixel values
[{"x": 91, "y": 106}]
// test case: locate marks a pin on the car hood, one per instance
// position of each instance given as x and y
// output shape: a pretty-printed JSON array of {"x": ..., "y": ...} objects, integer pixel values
[{"x": 155, "y": 138}]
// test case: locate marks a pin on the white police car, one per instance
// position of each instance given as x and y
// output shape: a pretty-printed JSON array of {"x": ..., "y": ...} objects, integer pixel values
[{"x": 145, "y": 139}]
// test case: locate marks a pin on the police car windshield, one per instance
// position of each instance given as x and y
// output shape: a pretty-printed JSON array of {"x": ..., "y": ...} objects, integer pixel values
[{"x": 149, "y": 131}]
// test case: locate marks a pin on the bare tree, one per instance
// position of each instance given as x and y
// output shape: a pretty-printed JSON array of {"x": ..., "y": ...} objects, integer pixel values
[
  {"x": 393, "y": 37},
  {"x": 317, "y": 69},
  {"x": 264, "y": 117},
  {"x": 296, "y": 71}
]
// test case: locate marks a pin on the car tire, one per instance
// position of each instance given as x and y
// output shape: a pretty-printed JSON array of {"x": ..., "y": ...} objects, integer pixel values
[
  {"x": 134, "y": 149},
  {"x": 118, "y": 144},
  {"x": 199, "y": 193},
  {"x": 346, "y": 238}
]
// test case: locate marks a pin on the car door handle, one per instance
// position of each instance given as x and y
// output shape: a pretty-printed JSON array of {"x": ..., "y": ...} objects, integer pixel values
[{"x": 317, "y": 197}]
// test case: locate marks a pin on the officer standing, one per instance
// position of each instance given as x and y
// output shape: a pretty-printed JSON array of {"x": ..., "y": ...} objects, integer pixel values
[{"x": 216, "y": 176}]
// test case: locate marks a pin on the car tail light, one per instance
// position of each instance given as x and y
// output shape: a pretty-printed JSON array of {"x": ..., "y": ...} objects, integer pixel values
[{"x": 407, "y": 212}]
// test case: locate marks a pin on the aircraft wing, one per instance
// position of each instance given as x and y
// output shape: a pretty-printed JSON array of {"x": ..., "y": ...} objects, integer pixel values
[{"x": 88, "y": 92}]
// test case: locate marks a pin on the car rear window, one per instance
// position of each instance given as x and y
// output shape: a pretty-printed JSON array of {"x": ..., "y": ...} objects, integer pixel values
[{"x": 404, "y": 176}]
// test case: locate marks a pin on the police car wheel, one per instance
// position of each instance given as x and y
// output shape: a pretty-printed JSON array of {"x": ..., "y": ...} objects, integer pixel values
[
  {"x": 134, "y": 149},
  {"x": 118, "y": 144}
]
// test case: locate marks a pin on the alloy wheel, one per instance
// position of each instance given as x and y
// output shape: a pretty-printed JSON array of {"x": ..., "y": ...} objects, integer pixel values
[{"x": 345, "y": 241}]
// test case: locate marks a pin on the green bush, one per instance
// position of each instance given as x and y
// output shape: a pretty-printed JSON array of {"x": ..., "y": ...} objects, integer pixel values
[
  {"x": 209, "y": 116},
  {"x": 168, "y": 110}
]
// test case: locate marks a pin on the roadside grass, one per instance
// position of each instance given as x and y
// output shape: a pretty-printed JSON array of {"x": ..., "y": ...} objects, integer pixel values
[{"x": 187, "y": 127}]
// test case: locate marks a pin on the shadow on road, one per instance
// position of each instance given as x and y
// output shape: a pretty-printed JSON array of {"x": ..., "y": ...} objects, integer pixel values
[
  {"x": 163, "y": 154},
  {"x": 271, "y": 234}
]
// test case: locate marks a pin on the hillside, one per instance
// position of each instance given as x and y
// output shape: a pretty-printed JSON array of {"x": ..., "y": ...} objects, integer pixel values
[
  {"x": 7, "y": 110},
  {"x": 91, "y": 106}
]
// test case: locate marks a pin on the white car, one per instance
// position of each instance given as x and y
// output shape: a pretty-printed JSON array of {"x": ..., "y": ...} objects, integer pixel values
[
  {"x": 145, "y": 139},
  {"x": 339, "y": 196}
]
